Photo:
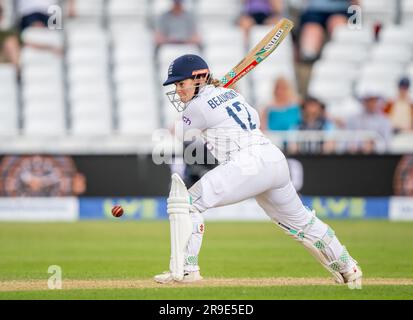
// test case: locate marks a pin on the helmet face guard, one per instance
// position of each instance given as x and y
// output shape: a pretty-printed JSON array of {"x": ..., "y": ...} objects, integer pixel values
[
  {"x": 174, "y": 98},
  {"x": 188, "y": 66}
]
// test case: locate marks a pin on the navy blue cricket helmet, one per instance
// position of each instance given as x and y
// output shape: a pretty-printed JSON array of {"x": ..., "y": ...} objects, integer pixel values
[{"x": 185, "y": 67}]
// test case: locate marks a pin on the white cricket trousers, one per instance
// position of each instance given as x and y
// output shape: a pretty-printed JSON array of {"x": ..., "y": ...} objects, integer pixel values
[{"x": 260, "y": 171}]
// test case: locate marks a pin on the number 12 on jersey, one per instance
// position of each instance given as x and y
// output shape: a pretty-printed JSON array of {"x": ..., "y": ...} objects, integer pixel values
[{"x": 237, "y": 106}]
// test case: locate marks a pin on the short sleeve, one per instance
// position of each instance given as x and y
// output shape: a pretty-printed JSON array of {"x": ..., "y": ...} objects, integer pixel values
[{"x": 194, "y": 117}]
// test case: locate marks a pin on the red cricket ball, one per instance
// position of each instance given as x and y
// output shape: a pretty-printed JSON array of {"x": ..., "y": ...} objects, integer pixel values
[{"x": 117, "y": 211}]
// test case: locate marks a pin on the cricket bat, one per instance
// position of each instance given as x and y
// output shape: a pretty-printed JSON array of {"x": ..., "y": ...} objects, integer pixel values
[{"x": 259, "y": 53}]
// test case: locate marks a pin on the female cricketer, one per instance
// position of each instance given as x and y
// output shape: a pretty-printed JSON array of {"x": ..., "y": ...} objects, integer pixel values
[{"x": 249, "y": 166}]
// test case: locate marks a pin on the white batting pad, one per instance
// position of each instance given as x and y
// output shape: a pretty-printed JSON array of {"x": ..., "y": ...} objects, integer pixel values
[{"x": 180, "y": 225}]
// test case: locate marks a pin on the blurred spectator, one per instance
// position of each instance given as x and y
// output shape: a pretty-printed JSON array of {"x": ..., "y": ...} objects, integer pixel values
[
  {"x": 34, "y": 13},
  {"x": 371, "y": 119},
  {"x": 40, "y": 176},
  {"x": 259, "y": 12},
  {"x": 177, "y": 26},
  {"x": 318, "y": 17},
  {"x": 283, "y": 113},
  {"x": 314, "y": 116},
  {"x": 9, "y": 44},
  {"x": 400, "y": 110},
  {"x": 403, "y": 177},
  {"x": 314, "y": 119}
]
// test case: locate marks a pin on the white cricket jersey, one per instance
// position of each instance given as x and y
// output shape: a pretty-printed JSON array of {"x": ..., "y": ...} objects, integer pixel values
[{"x": 227, "y": 122}]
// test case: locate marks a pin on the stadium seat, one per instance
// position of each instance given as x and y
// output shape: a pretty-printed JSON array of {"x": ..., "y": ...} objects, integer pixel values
[
  {"x": 217, "y": 48},
  {"x": 82, "y": 55},
  {"x": 344, "y": 108},
  {"x": 8, "y": 96},
  {"x": 376, "y": 70},
  {"x": 219, "y": 62},
  {"x": 87, "y": 73},
  {"x": 8, "y": 73},
  {"x": 126, "y": 53},
  {"x": 383, "y": 11},
  {"x": 386, "y": 88},
  {"x": 43, "y": 125},
  {"x": 8, "y": 100},
  {"x": 407, "y": 12},
  {"x": 136, "y": 117},
  {"x": 90, "y": 98},
  {"x": 396, "y": 35},
  {"x": 133, "y": 126},
  {"x": 43, "y": 105},
  {"x": 330, "y": 70},
  {"x": 91, "y": 9},
  {"x": 47, "y": 91},
  {"x": 121, "y": 27},
  {"x": 91, "y": 106},
  {"x": 96, "y": 126},
  {"x": 143, "y": 91},
  {"x": 89, "y": 85},
  {"x": 379, "y": 77},
  {"x": 49, "y": 73},
  {"x": 345, "y": 35},
  {"x": 31, "y": 56},
  {"x": 327, "y": 90},
  {"x": 8, "y": 117},
  {"x": 388, "y": 53},
  {"x": 127, "y": 8},
  {"x": 168, "y": 52},
  {"x": 43, "y": 92},
  {"x": 89, "y": 37},
  {"x": 340, "y": 52},
  {"x": 134, "y": 73},
  {"x": 135, "y": 105},
  {"x": 42, "y": 36},
  {"x": 218, "y": 10},
  {"x": 222, "y": 34},
  {"x": 93, "y": 110}
]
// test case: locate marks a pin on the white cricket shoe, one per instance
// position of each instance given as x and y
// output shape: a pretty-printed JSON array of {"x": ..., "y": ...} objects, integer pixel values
[
  {"x": 166, "y": 277},
  {"x": 353, "y": 277}
]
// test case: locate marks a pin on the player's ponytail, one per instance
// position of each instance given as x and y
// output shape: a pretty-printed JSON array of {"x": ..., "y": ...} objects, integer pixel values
[
  {"x": 215, "y": 82},
  {"x": 209, "y": 80}
]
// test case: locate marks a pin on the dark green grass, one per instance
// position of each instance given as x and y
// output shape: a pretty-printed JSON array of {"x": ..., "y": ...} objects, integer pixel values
[
  {"x": 138, "y": 250},
  {"x": 224, "y": 293}
]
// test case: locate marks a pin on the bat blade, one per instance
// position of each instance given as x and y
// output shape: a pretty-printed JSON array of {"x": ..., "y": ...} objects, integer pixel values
[{"x": 259, "y": 53}]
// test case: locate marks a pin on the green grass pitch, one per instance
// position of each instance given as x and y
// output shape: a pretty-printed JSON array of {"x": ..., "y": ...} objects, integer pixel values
[{"x": 130, "y": 251}]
